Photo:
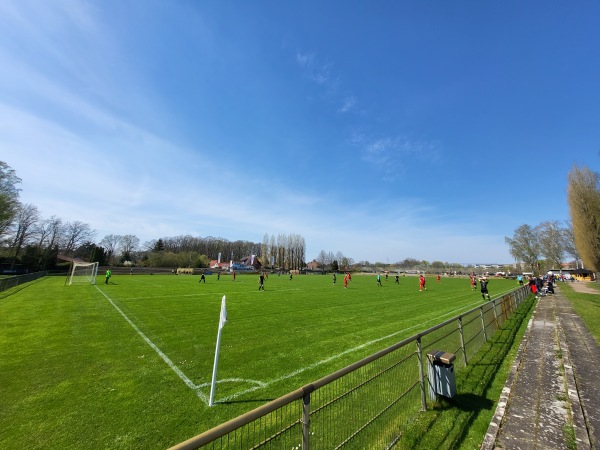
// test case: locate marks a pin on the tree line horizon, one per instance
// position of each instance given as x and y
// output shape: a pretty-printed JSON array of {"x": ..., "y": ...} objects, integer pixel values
[{"x": 29, "y": 241}]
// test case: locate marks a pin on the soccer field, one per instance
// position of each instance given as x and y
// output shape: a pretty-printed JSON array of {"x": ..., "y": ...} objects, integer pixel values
[{"x": 129, "y": 364}]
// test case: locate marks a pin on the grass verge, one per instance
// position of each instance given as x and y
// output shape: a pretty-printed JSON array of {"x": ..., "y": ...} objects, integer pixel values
[
  {"x": 461, "y": 422},
  {"x": 587, "y": 306}
]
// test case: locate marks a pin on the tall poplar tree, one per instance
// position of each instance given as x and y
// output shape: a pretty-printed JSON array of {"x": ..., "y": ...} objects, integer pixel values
[{"x": 584, "y": 208}]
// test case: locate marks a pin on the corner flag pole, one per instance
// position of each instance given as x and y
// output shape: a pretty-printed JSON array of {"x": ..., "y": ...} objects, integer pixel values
[{"x": 222, "y": 321}]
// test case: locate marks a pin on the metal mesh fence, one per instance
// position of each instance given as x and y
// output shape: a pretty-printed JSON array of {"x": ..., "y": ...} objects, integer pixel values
[
  {"x": 11, "y": 282},
  {"x": 367, "y": 404}
]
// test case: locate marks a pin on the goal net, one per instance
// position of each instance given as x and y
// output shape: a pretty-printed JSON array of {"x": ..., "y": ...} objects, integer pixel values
[{"x": 83, "y": 272}]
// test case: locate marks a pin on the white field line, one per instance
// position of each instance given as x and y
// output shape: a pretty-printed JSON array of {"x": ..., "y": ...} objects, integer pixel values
[
  {"x": 205, "y": 294},
  {"x": 263, "y": 384},
  {"x": 196, "y": 388},
  {"x": 200, "y": 294},
  {"x": 345, "y": 352},
  {"x": 165, "y": 358}
]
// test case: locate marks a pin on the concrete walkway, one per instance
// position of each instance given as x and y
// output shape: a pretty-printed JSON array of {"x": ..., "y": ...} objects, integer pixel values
[{"x": 551, "y": 399}]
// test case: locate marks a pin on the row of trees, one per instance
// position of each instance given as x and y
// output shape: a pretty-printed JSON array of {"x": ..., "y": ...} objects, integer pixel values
[
  {"x": 35, "y": 242},
  {"x": 29, "y": 240},
  {"x": 546, "y": 245},
  {"x": 285, "y": 250},
  {"x": 542, "y": 247},
  {"x": 334, "y": 262},
  {"x": 209, "y": 246}
]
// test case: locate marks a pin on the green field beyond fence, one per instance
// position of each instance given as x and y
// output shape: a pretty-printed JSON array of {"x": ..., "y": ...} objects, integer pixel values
[{"x": 129, "y": 364}]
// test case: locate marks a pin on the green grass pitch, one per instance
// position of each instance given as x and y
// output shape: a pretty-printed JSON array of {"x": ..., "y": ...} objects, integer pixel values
[{"x": 129, "y": 364}]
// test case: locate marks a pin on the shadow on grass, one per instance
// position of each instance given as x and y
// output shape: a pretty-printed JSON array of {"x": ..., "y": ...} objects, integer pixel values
[
  {"x": 461, "y": 422},
  {"x": 13, "y": 290},
  {"x": 260, "y": 401},
  {"x": 469, "y": 403}
]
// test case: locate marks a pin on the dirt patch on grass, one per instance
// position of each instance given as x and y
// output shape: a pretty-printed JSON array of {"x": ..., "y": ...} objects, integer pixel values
[{"x": 585, "y": 287}]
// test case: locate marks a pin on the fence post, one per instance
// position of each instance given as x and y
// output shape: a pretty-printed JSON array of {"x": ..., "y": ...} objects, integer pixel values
[
  {"x": 496, "y": 315},
  {"x": 462, "y": 340},
  {"x": 483, "y": 323},
  {"x": 519, "y": 296},
  {"x": 306, "y": 421},
  {"x": 421, "y": 374}
]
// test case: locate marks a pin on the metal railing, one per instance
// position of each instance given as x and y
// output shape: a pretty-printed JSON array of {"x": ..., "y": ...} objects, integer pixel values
[
  {"x": 366, "y": 404},
  {"x": 11, "y": 282}
]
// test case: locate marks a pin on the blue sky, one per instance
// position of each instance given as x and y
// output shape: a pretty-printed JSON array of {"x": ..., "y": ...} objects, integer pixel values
[{"x": 383, "y": 130}]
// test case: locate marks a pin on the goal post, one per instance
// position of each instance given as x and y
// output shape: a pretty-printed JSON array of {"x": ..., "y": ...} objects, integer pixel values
[{"x": 82, "y": 272}]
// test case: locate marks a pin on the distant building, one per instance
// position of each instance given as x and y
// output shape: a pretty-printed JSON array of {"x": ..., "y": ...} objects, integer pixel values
[
  {"x": 313, "y": 265},
  {"x": 247, "y": 263},
  {"x": 215, "y": 264},
  {"x": 578, "y": 274}
]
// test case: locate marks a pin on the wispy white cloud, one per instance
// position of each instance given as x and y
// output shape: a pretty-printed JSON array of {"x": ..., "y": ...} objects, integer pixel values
[
  {"x": 393, "y": 155},
  {"x": 315, "y": 70},
  {"x": 148, "y": 187},
  {"x": 164, "y": 190},
  {"x": 349, "y": 104},
  {"x": 62, "y": 36},
  {"x": 76, "y": 122},
  {"x": 389, "y": 155},
  {"x": 305, "y": 59}
]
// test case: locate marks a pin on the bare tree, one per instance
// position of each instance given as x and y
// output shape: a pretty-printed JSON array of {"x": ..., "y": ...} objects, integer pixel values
[
  {"x": 551, "y": 236},
  {"x": 297, "y": 251},
  {"x": 330, "y": 258},
  {"x": 570, "y": 247},
  {"x": 149, "y": 246},
  {"x": 281, "y": 247},
  {"x": 111, "y": 242},
  {"x": 129, "y": 243},
  {"x": 301, "y": 250},
  {"x": 272, "y": 250},
  {"x": 48, "y": 234},
  {"x": 26, "y": 219},
  {"x": 75, "y": 234},
  {"x": 322, "y": 259},
  {"x": 408, "y": 263},
  {"x": 525, "y": 246},
  {"x": 264, "y": 249},
  {"x": 584, "y": 207}
]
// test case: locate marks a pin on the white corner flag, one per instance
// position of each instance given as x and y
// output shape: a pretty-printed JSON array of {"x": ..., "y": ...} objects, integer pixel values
[
  {"x": 222, "y": 322},
  {"x": 223, "y": 318}
]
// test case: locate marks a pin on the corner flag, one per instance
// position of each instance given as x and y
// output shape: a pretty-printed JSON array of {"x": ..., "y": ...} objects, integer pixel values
[
  {"x": 222, "y": 322},
  {"x": 223, "y": 319}
]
